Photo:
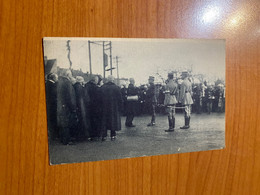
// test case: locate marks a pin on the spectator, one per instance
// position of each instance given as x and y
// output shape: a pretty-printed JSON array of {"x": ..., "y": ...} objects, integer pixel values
[
  {"x": 94, "y": 114},
  {"x": 82, "y": 98},
  {"x": 112, "y": 103},
  {"x": 51, "y": 101},
  {"x": 66, "y": 107}
]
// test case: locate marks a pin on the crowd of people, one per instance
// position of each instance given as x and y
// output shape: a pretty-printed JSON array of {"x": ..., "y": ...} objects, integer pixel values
[
  {"x": 207, "y": 97},
  {"x": 78, "y": 111},
  {"x": 86, "y": 111}
]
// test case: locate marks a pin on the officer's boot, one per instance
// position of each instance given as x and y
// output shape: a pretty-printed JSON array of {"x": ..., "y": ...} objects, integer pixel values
[
  {"x": 186, "y": 123},
  {"x": 173, "y": 122},
  {"x": 171, "y": 128},
  {"x": 153, "y": 120},
  {"x": 152, "y": 123}
]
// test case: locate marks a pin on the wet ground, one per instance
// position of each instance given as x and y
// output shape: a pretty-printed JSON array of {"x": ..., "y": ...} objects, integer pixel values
[{"x": 207, "y": 132}]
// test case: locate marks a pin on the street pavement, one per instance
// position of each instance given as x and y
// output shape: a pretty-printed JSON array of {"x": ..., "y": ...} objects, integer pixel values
[{"x": 207, "y": 132}]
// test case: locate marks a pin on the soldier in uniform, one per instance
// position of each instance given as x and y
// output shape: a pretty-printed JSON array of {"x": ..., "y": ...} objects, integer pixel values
[
  {"x": 151, "y": 99},
  {"x": 209, "y": 93},
  {"x": 132, "y": 98},
  {"x": 170, "y": 101},
  {"x": 186, "y": 99}
]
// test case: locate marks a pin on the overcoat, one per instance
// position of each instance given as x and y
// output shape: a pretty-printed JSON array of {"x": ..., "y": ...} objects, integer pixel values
[
  {"x": 66, "y": 103},
  {"x": 94, "y": 107},
  {"x": 185, "y": 92},
  {"x": 82, "y": 99},
  {"x": 51, "y": 102},
  {"x": 112, "y": 104},
  {"x": 170, "y": 93},
  {"x": 91, "y": 89}
]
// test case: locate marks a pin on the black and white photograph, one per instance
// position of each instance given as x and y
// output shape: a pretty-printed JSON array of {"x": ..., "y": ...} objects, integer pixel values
[{"x": 115, "y": 98}]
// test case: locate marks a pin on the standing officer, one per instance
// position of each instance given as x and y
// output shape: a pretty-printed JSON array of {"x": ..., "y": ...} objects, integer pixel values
[
  {"x": 186, "y": 99},
  {"x": 132, "y": 98},
  {"x": 170, "y": 101},
  {"x": 151, "y": 99}
]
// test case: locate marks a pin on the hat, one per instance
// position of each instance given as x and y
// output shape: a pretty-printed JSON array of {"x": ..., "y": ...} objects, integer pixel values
[
  {"x": 79, "y": 79},
  {"x": 151, "y": 78}
]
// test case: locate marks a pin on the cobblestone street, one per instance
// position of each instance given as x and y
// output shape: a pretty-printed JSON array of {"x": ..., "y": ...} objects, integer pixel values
[{"x": 207, "y": 132}]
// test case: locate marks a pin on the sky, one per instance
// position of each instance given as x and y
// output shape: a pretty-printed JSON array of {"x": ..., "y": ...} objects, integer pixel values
[{"x": 141, "y": 58}]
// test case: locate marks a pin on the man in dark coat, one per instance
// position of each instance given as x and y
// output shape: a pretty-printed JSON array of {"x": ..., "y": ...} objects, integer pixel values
[
  {"x": 112, "y": 104},
  {"x": 151, "y": 99},
  {"x": 51, "y": 101},
  {"x": 66, "y": 107},
  {"x": 94, "y": 114},
  {"x": 82, "y": 98},
  {"x": 132, "y": 98}
]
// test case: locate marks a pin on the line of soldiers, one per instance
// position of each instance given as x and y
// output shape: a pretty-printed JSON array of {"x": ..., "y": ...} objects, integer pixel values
[{"x": 78, "y": 111}]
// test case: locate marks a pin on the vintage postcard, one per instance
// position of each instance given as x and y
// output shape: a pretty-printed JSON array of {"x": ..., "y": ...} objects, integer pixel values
[{"x": 114, "y": 98}]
